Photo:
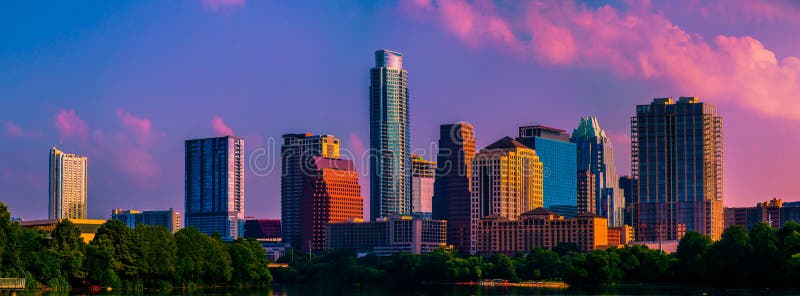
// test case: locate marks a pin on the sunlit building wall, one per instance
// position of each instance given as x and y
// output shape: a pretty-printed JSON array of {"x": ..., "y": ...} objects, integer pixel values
[{"x": 68, "y": 185}]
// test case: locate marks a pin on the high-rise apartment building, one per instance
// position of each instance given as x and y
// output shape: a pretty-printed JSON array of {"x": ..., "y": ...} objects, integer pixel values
[
  {"x": 330, "y": 194},
  {"x": 390, "y": 157},
  {"x": 68, "y": 186},
  {"x": 676, "y": 158},
  {"x": 586, "y": 194},
  {"x": 596, "y": 154},
  {"x": 451, "y": 198},
  {"x": 297, "y": 154},
  {"x": 215, "y": 186},
  {"x": 559, "y": 160},
  {"x": 422, "y": 178},
  {"x": 506, "y": 182},
  {"x": 628, "y": 186},
  {"x": 169, "y": 219}
]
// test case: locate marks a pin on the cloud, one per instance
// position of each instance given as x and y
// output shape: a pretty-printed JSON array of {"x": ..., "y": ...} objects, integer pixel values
[
  {"x": 220, "y": 128},
  {"x": 357, "y": 146},
  {"x": 140, "y": 127},
  {"x": 217, "y": 5},
  {"x": 69, "y": 124},
  {"x": 18, "y": 132},
  {"x": 636, "y": 42}
]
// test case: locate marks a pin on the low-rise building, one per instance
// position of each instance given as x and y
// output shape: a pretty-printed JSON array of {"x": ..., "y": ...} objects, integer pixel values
[
  {"x": 620, "y": 236},
  {"x": 87, "y": 227},
  {"x": 169, "y": 219},
  {"x": 262, "y": 229},
  {"x": 389, "y": 235},
  {"x": 774, "y": 212}
]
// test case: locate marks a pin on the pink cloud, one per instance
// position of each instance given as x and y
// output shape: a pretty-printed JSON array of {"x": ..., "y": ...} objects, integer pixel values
[
  {"x": 220, "y": 128},
  {"x": 16, "y": 131},
  {"x": 356, "y": 146},
  {"x": 216, "y": 5},
  {"x": 634, "y": 43},
  {"x": 140, "y": 127},
  {"x": 69, "y": 124}
]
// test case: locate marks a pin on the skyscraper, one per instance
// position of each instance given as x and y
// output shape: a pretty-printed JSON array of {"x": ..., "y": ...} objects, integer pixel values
[
  {"x": 451, "y": 190},
  {"x": 586, "y": 195},
  {"x": 297, "y": 154},
  {"x": 628, "y": 186},
  {"x": 422, "y": 178},
  {"x": 215, "y": 186},
  {"x": 506, "y": 182},
  {"x": 68, "y": 186},
  {"x": 596, "y": 154},
  {"x": 390, "y": 159},
  {"x": 330, "y": 194},
  {"x": 676, "y": 158},
  {"x": 558, "y": 156}
]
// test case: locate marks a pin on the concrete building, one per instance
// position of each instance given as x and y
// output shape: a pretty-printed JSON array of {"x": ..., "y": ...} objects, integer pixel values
[
  {"x": 330, "y": 194},
  {"x": 596, "y": 154},
  {"x": 215, "y": 186},
  {"x": 559, "y": 161},
  {"x": 451, "y": 190},
  {"x": 87, "y": 227},
  {"x": 422, "y": 179},
  {"x": 586, "y": 194},
  {"x": 169, "y": 219},
  {"x": 388, "y": 236},
  {"x": 539, "y": 228},
  {"x": 676, "y": 158},
  {"x": 297, "y": 154},
  {"x": 68, "y": 186},
  {"x": 262, "y": 229},
  {"x": 390, "y": 157},
  {"x": 774, "y": 212},
  {"x": 620, "y": 236},
  {"x": 506, "y": 182}
]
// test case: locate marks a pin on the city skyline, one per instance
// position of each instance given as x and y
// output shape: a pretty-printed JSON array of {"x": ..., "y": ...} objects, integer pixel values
[{"x": 110, "y": 118}]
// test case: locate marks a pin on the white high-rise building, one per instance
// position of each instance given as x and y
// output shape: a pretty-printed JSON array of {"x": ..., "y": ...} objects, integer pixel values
[{"x": 68, "y": 185}]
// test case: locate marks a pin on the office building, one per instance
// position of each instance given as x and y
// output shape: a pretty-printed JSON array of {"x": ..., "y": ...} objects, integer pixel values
[
  {"x": 451, "y": 190},
  {"x": 628, "y": 186},
  {"x": 390, "y": 157},
  {"x": 68, "y": 186},
  {"x": 297, "y": 154},
  {"x": 262, "y": 229},
  {"x": 586, "y": 194},
  {"x": 506, "y": 182},
  {"x": 330, "y": 194},
  {"x": 676, "y": 158},
  {"x": 215, "y": 186},
  {"x": 559, "y": 161},
  {"x": 596, "y": 154},
  {"x": 774, "y": 212},
  {"x": 169, "y": 219},
  {"x": 422, "y": 178},
  {"x": 539, "y": 228},
  {"x": 386, "y": 236}
]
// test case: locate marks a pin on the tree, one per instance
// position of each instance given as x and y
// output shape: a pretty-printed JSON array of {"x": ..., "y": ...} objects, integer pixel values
[
  {"x": 67, "y": 248},
  {"x": 540, "y": 264},
  {"x": 156, "y": 255},
  {"x": 691, "y": 254},
  {"x": 120, "y": 237},
  {"x": 250, "y": 264},
  {"x": 765, "y": 258},
  {"x": 502, "y": 267},
  {"x": 603, "y": 266},
  {"x": 99, "y": 263},
  {"x": 726, "y": 255}
]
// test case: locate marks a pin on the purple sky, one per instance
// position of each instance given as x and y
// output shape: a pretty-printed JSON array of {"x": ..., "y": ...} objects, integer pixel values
[{"x": 124, "y": 83}]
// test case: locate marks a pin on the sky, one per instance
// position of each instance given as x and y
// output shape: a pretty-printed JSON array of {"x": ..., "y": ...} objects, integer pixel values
[{"x": 125, "y": 83}]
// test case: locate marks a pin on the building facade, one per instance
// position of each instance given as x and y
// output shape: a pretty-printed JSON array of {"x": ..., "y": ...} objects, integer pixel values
[
  {"x": 596, "y": 154},
  {"x": 539, "y": 228},
  {"x": 774, "y": 212},
  {"x": 390, "y": 157},
  {"x": 388, "y": 236},
  {"x": 68, "y": 186},
  {"x": 169, "y": 219},
  {"x": 214, "y": 169},
  {"x": 422, "y": 179},
  {"x": 331, "y": 194},
  {"x": 506, "y": 182},
  {"x": 559, "y": 160},
  {"x": 586, "y": 194},
  {"x": 676, "y": 158},
  {"x": 297, "y": 154},
  {"x": 87, "y": 227},
  {"x": 451, "y": 190},
  {"x": 262, "y": 229},
  {"x": 628, "y": 186}
]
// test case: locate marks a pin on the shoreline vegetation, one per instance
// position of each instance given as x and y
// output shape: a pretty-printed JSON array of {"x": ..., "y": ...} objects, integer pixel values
[{"x": 149, "y": 258}]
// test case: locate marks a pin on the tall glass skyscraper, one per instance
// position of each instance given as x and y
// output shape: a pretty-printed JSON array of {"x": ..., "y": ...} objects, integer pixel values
[
  {"x": 215, "y": 186},
  {"x": 297, "y": 155},
  {"x": 596, "y": 154},
  {"x": 676, "y": 160},
  {"x": 68, "y": 186},
  {"x": 451, "y": 189},
  {"x": 390, "y": 158},
  {"x": 559, "y": 158}
]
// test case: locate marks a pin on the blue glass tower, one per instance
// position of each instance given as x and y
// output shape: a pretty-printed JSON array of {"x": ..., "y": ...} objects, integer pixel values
[
  {"x": 596, "y": 154},
  {"x": 559, "y": 160},
  {"x": 215, "y": 186},
  {"x": 390, "y": 158}
]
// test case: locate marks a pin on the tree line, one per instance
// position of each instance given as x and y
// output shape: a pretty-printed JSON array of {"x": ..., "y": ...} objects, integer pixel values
[
  {"x": 146, "y": 257},
  {"x": 761, "y": 257}
]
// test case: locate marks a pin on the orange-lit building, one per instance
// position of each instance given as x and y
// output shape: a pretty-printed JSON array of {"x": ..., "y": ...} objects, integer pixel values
[
  {"x": 622, "y": 235},
  {"x": 539, "y": 228},
  {"x": 331, "y": 193}
]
